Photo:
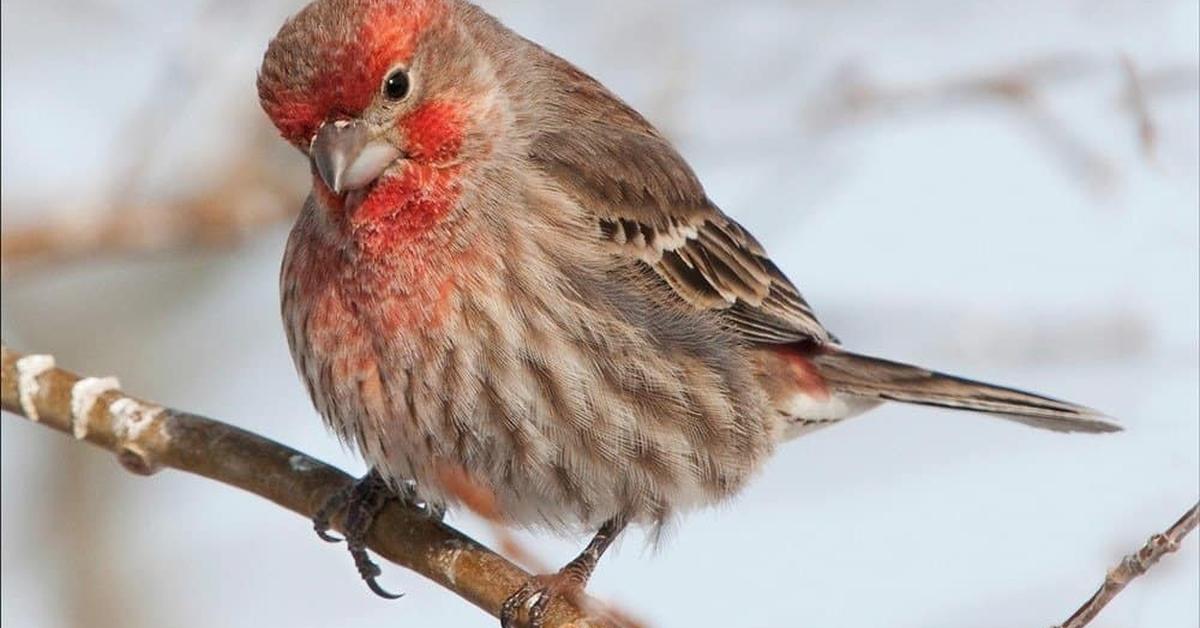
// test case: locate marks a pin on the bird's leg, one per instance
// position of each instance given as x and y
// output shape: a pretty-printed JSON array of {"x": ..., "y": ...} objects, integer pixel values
[
  {"x": 569, "y": 582},
  {"x": 362, "y": 501}
]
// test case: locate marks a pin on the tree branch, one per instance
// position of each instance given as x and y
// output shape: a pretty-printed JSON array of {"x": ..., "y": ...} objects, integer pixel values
[
  {"x": 146, "y": 437},
  {"x": 1133, "y": 566}
]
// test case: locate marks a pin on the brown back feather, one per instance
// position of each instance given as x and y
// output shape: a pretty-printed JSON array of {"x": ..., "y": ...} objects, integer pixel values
[{"x": 647, "y": 205}]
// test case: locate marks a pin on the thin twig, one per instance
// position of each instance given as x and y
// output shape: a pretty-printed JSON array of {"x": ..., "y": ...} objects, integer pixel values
[
  {"x": 1022, "y": 89},
  {"x": 1135, "y": 92},
  {"x": 147, "y": 437},
  {"x": 1133, "y": 566}
]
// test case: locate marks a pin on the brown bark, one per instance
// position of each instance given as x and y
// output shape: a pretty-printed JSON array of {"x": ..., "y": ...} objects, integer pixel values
[{"x": 146, "y": 437}]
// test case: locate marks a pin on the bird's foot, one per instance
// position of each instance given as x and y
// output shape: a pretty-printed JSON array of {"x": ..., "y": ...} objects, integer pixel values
[
  {"x": 537, "y": 593},
  {"x": 568, "y": 583},
  {"x": 362, "y": 501}
]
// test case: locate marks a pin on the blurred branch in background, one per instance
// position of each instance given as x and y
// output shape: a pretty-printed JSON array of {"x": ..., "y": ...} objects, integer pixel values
[
  {"x": 1133, "y": 566},
  {"x": 1023, "y": 87},
  {"x": 251, "y": 195},
  {"x": 253, "y": 190},
  {"x": 146, "y": 437},
  {"x": 1135, "y": 100}
]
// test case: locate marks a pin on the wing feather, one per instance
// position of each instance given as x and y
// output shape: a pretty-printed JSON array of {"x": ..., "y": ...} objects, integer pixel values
[{"x": 647, "y": 204}]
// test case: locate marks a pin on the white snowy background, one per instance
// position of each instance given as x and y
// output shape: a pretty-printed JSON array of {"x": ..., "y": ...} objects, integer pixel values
[{"x": 1037, "y": 245}]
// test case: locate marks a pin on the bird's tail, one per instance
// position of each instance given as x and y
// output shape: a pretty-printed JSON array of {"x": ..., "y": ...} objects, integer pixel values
[{"x": 872, "y": 378}]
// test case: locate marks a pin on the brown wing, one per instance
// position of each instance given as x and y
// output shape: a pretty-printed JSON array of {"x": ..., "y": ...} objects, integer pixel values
[{"x": 648, "y": 204}]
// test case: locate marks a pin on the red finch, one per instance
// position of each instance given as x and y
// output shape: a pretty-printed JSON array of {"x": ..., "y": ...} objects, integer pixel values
[{"x": 506, "y": 271}]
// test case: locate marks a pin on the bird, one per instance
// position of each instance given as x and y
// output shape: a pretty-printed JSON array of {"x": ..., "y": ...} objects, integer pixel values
[{"x": 504, "y": 272}]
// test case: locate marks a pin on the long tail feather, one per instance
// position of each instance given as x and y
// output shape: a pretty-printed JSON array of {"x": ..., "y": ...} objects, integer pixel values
[{"x": 873, "y": 378}]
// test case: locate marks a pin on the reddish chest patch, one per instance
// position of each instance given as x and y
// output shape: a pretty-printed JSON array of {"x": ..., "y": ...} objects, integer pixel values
[
  {"x": 401, "y": 266},
  {"x": 391, "y": 262},
  {"x": 371, "y": 298}
]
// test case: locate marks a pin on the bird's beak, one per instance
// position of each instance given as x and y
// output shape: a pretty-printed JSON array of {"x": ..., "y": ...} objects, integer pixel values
[{"x": 348, "y": 157}]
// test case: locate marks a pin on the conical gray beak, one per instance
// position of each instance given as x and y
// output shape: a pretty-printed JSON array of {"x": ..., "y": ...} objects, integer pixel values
[{"x": 348, "y": 158}]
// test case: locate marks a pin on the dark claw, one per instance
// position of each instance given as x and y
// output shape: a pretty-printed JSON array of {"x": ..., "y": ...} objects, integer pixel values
[
  {"x": 370, "y": 572},
  {"x": 361, "y": 501},
  {"x": 326, "y": 536},
  {"x": 381, "y": 592}
]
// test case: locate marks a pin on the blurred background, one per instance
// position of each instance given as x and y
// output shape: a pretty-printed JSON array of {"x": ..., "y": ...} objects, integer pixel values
[{"x": 1006, "y": 190}]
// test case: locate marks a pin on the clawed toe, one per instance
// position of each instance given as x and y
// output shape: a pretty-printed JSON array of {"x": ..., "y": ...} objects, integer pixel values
[
  {"x": 362, "y": 501},
  {"x": 323, "y": 533},
  {"x": 569, "y": 582},
  {"x": 370, "y": 572},
  {"x": 536, "y": 594},
  {"x": 323, "y": 520}
]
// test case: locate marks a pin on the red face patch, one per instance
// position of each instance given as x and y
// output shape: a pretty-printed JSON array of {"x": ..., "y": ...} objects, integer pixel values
[
  {"x": 434, "y": 132},
  {"x": 342, "y": 74},
  {"x": 425, "y": 189}
]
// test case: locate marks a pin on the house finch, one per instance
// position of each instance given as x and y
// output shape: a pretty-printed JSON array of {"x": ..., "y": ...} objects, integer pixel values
[{"x": 505, "y": 271}]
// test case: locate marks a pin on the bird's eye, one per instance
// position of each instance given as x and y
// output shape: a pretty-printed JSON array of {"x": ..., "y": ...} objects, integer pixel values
[{"x": 395, "y": 86}]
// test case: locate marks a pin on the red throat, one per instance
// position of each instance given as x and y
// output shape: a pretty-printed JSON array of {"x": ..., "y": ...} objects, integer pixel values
[
  {"x": 405, "y": 204},
  {"x": 405, "y": 276},
  {"x": 401, "y": 209}
]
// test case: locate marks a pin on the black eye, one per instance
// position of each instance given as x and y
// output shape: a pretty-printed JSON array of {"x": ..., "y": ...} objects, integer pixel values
[{"x": 395, "y": 86}]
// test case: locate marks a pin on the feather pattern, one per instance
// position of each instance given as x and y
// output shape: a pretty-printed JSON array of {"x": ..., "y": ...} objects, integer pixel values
[
  {"x": 648, "y": 205},
  {"x": 553, "y": 305}
]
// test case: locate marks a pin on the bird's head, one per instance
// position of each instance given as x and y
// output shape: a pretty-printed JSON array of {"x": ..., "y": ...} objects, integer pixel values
[{"x": 376, "y": 91}]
